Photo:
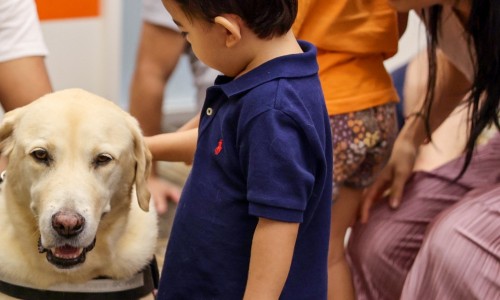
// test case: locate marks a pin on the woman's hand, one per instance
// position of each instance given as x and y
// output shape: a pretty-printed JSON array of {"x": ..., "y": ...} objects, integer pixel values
[{"x": 393, "y": 177}]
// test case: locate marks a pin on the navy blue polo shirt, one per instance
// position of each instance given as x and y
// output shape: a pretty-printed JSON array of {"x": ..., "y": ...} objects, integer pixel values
[{"x": 264, "y": 150}]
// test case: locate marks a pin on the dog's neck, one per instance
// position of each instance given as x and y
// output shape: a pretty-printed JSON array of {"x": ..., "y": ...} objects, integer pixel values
[{"x": 139, "y": 285}]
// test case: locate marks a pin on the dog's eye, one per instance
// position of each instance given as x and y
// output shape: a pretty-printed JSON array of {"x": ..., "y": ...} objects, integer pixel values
[
  {"x": 40, "y": 155},
  {"x": 102, "y": 159}
]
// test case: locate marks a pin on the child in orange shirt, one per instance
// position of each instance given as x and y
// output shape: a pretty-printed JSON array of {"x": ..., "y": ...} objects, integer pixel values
[{"x": 353, "y": 40}]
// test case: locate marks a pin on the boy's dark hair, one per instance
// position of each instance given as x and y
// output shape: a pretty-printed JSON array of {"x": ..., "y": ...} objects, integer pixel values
[{"x": 266, "y": 18}]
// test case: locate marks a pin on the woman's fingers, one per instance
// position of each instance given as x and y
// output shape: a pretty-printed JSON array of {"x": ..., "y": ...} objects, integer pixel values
[
  {"x": 375, "y": 192},
  {"x": 391, "y": 181}
]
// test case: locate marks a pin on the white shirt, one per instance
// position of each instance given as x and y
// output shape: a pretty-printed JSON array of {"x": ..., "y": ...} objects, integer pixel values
[
  {"x": 20, "y": 32},
  {"x": 155, "y": 13}
]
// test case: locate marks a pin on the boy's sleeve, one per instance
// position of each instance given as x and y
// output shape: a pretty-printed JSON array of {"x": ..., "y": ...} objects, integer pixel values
[{"x": 278, "y": 166}]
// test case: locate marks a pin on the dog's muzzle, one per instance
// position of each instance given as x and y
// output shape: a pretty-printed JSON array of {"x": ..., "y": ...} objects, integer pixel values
[{"x": 66, "y": 256}]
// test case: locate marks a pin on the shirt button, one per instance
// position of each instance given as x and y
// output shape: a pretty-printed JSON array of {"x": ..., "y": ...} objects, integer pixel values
[{"x": 209, "y": 111}]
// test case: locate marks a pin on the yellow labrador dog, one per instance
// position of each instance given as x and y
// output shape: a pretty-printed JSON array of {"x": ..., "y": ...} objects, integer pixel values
[{"x": 74, "y": 203}]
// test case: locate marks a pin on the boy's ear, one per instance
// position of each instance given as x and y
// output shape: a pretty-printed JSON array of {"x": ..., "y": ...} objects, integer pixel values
[{"x": 232, "y": 25}]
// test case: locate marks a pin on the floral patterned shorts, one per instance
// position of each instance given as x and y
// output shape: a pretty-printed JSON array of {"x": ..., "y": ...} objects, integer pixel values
[{"x": 362, "y": 143}]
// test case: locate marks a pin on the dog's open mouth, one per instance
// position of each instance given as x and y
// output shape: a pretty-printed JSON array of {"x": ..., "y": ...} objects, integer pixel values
[{"x": 65, "y": 257}]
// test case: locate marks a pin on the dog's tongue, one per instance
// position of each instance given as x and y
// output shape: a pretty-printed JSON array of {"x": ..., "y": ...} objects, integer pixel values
[{"x": 67, "y": 251}]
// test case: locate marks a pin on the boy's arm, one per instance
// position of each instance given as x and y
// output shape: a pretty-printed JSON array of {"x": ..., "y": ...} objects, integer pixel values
[
  {"x": 271, "y": 257},
  {"x": 175, "y": 146}
]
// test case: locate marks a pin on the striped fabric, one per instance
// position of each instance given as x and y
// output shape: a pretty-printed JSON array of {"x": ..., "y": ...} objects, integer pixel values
[
  {"x": 460, "y": 257},
  {"x": 382, "y": 252}
]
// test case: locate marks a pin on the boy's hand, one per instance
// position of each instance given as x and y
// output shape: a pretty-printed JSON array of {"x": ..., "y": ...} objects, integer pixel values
[{"x": 272, "y": 251}]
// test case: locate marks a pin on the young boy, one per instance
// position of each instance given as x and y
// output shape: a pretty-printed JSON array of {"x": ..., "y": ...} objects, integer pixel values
[{"x": 253, "y": 219}]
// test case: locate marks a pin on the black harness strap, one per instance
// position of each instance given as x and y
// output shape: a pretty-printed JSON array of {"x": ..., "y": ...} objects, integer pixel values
[{"x": 150, "y": 278}]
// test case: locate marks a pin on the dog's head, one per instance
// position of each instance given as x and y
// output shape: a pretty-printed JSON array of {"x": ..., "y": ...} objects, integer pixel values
[{"x": 73, "y": 158}]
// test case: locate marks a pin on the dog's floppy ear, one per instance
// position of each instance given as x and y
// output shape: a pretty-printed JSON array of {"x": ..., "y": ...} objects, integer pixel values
[
  {"x": 6, "y": 128},
  {"x": 142, "y": 165}
]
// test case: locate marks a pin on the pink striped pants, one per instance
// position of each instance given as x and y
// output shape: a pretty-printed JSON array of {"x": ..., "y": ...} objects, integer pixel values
[
  {"x": 383, "y": 252},
  {"x": 460, "y": 257}
]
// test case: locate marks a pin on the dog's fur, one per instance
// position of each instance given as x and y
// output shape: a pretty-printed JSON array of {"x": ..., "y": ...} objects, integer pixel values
[{"x": 74, "y": 159}]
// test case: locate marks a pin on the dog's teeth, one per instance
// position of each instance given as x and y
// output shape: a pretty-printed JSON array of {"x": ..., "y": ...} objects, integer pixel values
[{"x": 67, "y": 252}]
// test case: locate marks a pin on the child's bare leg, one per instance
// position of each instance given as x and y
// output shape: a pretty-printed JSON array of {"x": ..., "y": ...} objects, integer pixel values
[{"x": 344, "y": 211}]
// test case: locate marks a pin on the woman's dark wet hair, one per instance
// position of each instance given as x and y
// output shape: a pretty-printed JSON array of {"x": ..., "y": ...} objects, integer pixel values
[
  {"x": 266, "y": 18},
  {"x": 483, "y": 28}
]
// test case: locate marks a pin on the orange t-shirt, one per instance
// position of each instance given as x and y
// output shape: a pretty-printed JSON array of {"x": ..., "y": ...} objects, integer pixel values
[{"x": 353, "y": 38}]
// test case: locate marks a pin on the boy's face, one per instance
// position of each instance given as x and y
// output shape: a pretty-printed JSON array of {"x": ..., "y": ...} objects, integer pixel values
[{"x": 203, "y": 36}]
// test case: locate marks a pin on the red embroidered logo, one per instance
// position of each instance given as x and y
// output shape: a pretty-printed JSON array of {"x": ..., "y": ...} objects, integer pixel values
[{"x": 218, "y": 149}]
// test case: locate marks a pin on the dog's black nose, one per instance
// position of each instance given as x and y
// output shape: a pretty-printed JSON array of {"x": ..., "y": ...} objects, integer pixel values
[{"x": 67, "y": 224}]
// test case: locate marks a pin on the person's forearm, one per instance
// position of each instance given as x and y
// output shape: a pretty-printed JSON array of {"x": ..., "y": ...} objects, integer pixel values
[
  {"x": 158, "y": 52},
  {"x": 146, "y": 100},
  {"x": 146, "y": 97},
  {"x": 270, "y": 260},
  {"x": 451, "y": 88},
  {"x": 175, "y": 146},
  {"x": 23, "y": 80}
]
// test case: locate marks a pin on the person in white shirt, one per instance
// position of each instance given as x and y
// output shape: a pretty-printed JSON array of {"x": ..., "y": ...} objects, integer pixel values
[{"x": 23, "y": 74}]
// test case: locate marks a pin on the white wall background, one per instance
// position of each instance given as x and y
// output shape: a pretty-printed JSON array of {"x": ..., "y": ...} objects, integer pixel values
[{"x": 86, "y": 52}]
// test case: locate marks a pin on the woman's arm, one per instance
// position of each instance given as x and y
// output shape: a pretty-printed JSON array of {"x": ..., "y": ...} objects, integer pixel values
[{"x": 451, "y": 87}]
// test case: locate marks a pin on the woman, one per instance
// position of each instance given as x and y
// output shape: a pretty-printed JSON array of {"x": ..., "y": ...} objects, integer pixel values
[{"x": 382, "y": 252}]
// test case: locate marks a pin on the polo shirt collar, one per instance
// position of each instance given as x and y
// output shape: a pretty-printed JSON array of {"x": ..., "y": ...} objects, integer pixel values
[{"x": 287, "y": 66}]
